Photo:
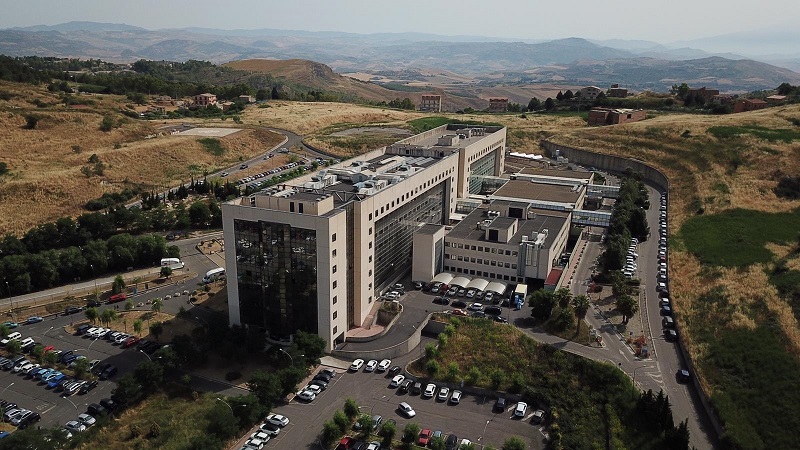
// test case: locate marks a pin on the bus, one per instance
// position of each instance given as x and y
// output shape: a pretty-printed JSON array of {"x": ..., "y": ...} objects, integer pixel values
[
  {"x": 214, "y": 275},
  {"x": 172, "y": 263}
]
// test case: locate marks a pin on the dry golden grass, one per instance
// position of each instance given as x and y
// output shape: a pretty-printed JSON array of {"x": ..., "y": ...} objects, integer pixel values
[{"x": 45, "y": 163}]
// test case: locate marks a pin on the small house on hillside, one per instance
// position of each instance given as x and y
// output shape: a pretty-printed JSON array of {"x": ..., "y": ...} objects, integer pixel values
[
  {"x": 749, "y": 104},
  {"x": 614, "y": 116}
]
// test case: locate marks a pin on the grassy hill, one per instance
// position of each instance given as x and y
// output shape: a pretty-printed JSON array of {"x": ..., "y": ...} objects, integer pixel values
[
  {"x": 313, "y": 75},
  {"x": 47, "y": 164}
]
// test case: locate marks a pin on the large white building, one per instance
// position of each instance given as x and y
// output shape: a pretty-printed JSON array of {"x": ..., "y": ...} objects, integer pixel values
[{"x": 314, "y": 254}]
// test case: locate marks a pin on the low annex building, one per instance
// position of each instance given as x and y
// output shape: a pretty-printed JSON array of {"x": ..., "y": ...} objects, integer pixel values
[{"x": 614, "y": 116}]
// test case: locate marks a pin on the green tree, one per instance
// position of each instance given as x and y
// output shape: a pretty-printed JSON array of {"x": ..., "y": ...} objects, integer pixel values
[
  {"x": 473, "y": 375},
  {"x": 247, "y": 409},
  {"x": 549, "y": 104},
  {"x": 514, "y": 443},
  {"x": 309, "y": 344},
  {"x": 107, "y": 124},
  {"x": 221, "y": 421},
  {"x": 49, "y": 359},
  {"x": 31, "y": 120},
  {"x": 350, "y": 408},
  {"x": 432, "y": 367},
  {"x": 680, "y": 91},
  {"x": 365, "y": 421},
  {"x": 13, "y": 347},
  {"x": 4, "y": 330},
  {"x": 341, "y": 421},
  {"x": 91, "y": 314},
  {"x": 108, "y": 316},
  {"x": 535, "y": 104},
  {"x": 129, "y": 305},
  {"x": 199, "y": 214},
  {"x": 560, "y": 96},
  {"x": 156, "y": 329},
  {"x": 437, "y": 443},
  {"x": 330, "y": 433},
  {"x": 156, "y": 305},
  {"x": 166, "y": 272},
  {"x": 118, "y": 285},
  {"x": 497, "y": 376},
  {"x": 387, "y": 432},
  {"x": 542, "y": 303},
  {"x": 3, "y": 168},
  {"x": 137, "y": 327},
  {"x": 127, "y": 390},
  {"x": 266, "y": 386},
  {"x": 470, "y": 446},
  {"x": 580, "y": 304},
  {"x": 81, "y": 367},
  {"x": 563, "y": 297},
  {"x": 150, "y": 375},
  {"x": 453, "y": 371},
  {"x": 627, "y": 306},
  {"x": 410, "y": 432}
]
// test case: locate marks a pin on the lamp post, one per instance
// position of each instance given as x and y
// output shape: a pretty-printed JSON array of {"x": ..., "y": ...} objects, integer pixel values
[
  {"x": 287, "y": 354},
  {"x": 94, "y": 275},
  {"x": 4, "y": 390},
  {"x": 73, "y": 403},
  {"x": 10, "y": 297},
  {"x": 484, "y": 429},
  {"x": 148, "y": 356},
  {"x": 226, "y": 404}
]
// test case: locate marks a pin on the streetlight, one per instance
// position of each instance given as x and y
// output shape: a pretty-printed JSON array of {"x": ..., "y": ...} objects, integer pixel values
[
  {"x": 94, "y": 275},
  {"x": 484, "y": 429},
  {"x": 10, "y": 297},
  {"x": 47, "y": 331},
  {"x": 226, "y": 404},
  {"x": 148, "y": 356},
  {"x": 287, "y": 354},
  {"x": 73, "y": 403},
  {"x": 4, "y": 390}
]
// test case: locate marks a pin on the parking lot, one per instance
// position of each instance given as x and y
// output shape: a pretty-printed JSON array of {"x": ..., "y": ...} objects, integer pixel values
[
  {"x": 472, "y": 418},
  {"x": 34, "y": 395}
]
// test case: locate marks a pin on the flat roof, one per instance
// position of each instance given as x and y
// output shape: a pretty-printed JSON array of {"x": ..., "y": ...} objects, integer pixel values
[
  {"x": 577, "y": 174},
  {"x": 552, "y": 221},
  {"x": 538, "y": 191},
  {"x": 428, "y": 228}
]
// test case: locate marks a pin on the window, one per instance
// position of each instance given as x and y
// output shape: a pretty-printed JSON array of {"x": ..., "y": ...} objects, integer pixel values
[
  {"x": 370, "y": 272},
  {"x": 300, "y": 208},
  {"x": 291, "y": 206},
  {"x": 334, "y": 284},
  {"x": 335, "y": 299},
  {"x": 333, "y": 253},
  {"x": 333, "y": 237},
  {"x": 370, "y": 245},
  {"x": 370, "y": 258},
  {"x": 494, "y": 250},
  {"x": 370, "y": 217},
  {"x": 335, "y": 329},
  {"x": 334, "y": 269},
  {"x": 513, "y": 266},
  {"x": 494, "y": 263},
  {"x": 335, "y": 315},
  {"x": 508, "y": 252},
  {"x": 507, "y": 265},
  {"x": 370, "y": 231}
]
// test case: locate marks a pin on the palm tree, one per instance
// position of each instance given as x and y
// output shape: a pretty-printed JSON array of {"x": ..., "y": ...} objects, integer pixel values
[
  {"x": 137, "y": 327},
  {"x": 627, "y": 306},
  {"x": 91, "y": 314},
  {"x": 581, "y": 305},
  {"x": 108, "y": 316},
  {"x": 157, "y": 304},
  {"x": 563, "y": 297}
]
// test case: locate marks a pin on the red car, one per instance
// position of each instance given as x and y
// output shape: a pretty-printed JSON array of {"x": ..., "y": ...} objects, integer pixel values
[
  {"x": 424, "y": 437},
  {"x": 458, "y": 312},
  {"x": 130, "y": 341},
  {"x": 49, "y": 348}
]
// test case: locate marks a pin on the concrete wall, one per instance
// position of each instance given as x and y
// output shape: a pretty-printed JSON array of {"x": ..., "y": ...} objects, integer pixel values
[{"x": 403, "y": 348}]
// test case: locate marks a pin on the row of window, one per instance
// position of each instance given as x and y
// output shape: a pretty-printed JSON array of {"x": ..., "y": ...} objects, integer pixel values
[
  {"x": 488, "y": 262},
  {"x": 486, "y": 150},
  {"x": 409, "y": 194},
  {"x": 480, "y": 248},
  {"x": 494, "y": 276}
]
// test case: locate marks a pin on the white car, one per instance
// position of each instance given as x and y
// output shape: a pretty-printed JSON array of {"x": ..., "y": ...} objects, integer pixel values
[
  {"x": 357, "y": 365},
  {"x": 256, "y": 444},
  {"x": 407, "y": 410},
  {"x": 86, "y": 419},
  {"x": 475, "y": 307},
  {"x": 11, "y": 337},
  {"x": 20, "y": 365},
  {"x": 444, "y": 392},
  {"x": 261, "y": 435},
  {"x": 456, "y": 397},
  {"x": 371, "y": 365},
  {"x": 313, "y": 388},
  {"x": 430, "y": 389},
  {"x": 397, "y": 381},
  {"x": 121, "y": 338},
  {"x": 306, "y": 395},
  {"x": 277, "y": 419},
  {"x": 270, "y": 428},
  {"x": 521, "y": 409},
  {"x": 384, "y": 365},
  {"x": 75, "y": 426}
]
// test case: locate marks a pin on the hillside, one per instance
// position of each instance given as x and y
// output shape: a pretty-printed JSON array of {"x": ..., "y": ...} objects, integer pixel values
[
  {"x": 46, "y": 178},
  {"x": 316, "y": 76}
]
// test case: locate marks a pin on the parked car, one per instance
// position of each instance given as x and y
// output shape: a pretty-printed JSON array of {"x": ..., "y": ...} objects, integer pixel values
[
  {"x": 424, "y": 437},
  {"x": 34, "y": 319},
  {"x": 72, "y": 310},
  {"x": 430, "y": 389},
  {"x": 306, "y": 395},
  {"x": 357, "y": 365},
  {"x": 371, "y": 365},
  {"x": 683, "y": 376},
  {"x": 270, "y": 428},
  {"x": 405, "y": 386},
  {"x": 28, "y": 420},
  {"x": 538, "y": 416},
  {"x": 520, "y": 409},
  {"x": 500, "y": 405},
  {"x": 96, "y": 410},
  {"x": 406, "y": 410},
  {"x": 444, "y": 393},
  {"x": 108, "y": 373},
  {"x": 87, "y": 387},
  {"x": 278, "y": 420},
  {"x": 384, "y": 365},
  {"x": 397, "y": 381},
  {"x": 395, "y": 370},
  {"x": 456, "y": 397},
  {"x": 75, "y": 427},
  {"x": 10, "y": 325}
]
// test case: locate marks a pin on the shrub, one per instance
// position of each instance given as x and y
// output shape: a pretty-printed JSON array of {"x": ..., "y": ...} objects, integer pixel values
[
  {"x": 106, "y": 124},
  {"x": 350, "y": 408},
  {"x": 330, "y": 432},
  {"x": 432, "y": 367},
  {"x": 31, "y": 120},
  {"x": 341, "y": 421},
  {"x": 410, "y": 432}
]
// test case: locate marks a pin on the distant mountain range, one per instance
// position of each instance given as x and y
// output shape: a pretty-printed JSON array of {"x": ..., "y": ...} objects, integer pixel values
[{"x": 634, "y": 64}]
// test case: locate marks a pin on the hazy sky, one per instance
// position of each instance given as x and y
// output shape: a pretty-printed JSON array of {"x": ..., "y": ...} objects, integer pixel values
[{"x": 657, "y": 20}]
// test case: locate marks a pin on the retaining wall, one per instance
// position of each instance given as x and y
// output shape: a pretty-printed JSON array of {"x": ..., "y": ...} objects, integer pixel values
[{"x": 618, "y": 164}]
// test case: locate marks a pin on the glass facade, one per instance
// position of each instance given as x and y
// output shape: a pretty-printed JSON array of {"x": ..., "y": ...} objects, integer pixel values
[
  {"x": 395, "y": 233},
  {"x": 479, "y": 169},
  {"x": 277, "y": 277}
]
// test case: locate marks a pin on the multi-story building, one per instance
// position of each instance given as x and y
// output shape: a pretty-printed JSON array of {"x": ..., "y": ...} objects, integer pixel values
[
  {"x": 706, "y": 94},
  {"x": 590, "y": 93},
  {"x": 618, "y": 92},
  {"x": 749, "y": 104},
  {"x": 314, "y": 254},
  {"x": 430, "y": 102},
  {"x": 205, "y": 99}
]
